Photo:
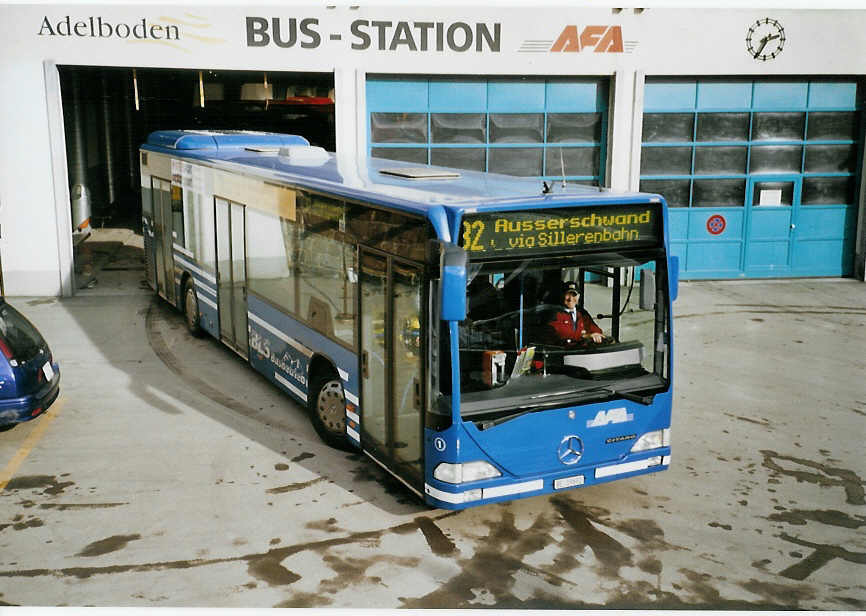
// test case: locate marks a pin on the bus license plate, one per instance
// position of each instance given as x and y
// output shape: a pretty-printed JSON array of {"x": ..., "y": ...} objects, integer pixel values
[
  {"x": 48, "y": 371},
  {"x": 568, "y": 482}
]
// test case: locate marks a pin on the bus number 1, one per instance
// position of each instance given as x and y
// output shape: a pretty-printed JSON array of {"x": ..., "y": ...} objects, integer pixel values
[{"x": 472, "y": 233}]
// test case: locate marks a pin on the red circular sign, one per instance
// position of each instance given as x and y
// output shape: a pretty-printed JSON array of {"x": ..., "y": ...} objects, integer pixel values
[{"x": 716, "y": 224}]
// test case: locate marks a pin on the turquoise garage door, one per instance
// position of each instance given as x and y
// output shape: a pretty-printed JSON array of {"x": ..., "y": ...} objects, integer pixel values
[
  {"x": 545, "y": 128},
  {"x": 761, "y": 176}
]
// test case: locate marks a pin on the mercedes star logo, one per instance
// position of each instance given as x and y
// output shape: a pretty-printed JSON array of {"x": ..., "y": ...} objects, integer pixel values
[{"x": 570, "y": 449}]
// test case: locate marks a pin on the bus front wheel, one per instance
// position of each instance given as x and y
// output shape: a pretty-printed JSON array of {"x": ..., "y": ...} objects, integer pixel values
[
  {"x": 327, "y": 406},
  {"x": 190, "y": 308}
]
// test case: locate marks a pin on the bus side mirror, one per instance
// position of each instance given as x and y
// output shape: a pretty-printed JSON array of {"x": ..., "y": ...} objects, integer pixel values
[
  {"x": 452, "y": 289},
  {"x": 675, "y": 277}
]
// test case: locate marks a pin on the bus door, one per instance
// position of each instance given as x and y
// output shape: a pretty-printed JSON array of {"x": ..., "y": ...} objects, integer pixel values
[
  {"x": 162, "y": 238},
  {"x": 391, "y": 365},
  {"x": 231, "y": 274}
]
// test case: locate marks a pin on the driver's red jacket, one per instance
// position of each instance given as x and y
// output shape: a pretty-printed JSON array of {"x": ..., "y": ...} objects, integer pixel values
[{"x": 563, "y": 327}]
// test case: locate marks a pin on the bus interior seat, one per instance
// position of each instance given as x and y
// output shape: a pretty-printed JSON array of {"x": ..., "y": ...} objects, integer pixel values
[{"x": 319, "y": 316}]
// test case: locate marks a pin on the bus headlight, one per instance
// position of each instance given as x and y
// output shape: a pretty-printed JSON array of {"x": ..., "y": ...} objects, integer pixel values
[
  {"x": 653, "y": 440},
  {"x": 463, "y": 473}
]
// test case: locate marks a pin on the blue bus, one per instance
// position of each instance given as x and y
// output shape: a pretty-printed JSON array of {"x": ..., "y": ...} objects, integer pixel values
[{"x": 412, "y": 309}]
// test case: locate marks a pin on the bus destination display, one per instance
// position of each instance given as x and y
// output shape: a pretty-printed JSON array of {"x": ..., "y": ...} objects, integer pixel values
[{"x": 542, "y": 231}]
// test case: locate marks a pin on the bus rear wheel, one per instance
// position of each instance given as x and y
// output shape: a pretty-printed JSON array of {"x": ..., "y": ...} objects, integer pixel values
[
  {"x": 327, "y": 406},
  {"x": 190, "y": 309}
]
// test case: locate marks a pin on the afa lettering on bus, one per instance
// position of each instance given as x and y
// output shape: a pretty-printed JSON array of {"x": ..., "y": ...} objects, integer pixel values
[{"x": 546, "y": 230}]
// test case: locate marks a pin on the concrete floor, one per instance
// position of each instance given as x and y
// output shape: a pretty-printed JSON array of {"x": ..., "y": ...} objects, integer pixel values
[{"x": 170, "y": 474}]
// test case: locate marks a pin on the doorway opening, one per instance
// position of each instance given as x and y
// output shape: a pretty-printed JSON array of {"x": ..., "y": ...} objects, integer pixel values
[{"x": 108, "y": 112}]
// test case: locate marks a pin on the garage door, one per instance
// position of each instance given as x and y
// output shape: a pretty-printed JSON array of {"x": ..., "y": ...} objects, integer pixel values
[
  {"x": 539, "y": 128},
  {"x": 761, "y": 175}
]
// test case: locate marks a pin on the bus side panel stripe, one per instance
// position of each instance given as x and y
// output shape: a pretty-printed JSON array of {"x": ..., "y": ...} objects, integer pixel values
[
  {"x": 204, "y": 287},
  {"x": 290, "y": 341},
  {"x": 182, "y": 250},
  {"x": 210, "y": 278},
  {"x": 285, "y": 383},
  {"x": 206, "y": 300}
]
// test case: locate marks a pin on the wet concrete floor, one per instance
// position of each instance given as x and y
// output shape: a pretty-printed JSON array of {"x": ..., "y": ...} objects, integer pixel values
[{"x": 170, "y": 474}]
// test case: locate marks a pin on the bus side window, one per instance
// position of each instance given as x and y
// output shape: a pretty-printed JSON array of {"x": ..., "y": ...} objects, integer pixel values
[
  {"x": 270, "y": 248},
  {"x": 326, "y": 269},
  {"x": 177, "y": 215}
]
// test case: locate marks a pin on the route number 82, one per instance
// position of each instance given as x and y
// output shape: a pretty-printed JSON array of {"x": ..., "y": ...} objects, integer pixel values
[{"x": 472, "y": 232}]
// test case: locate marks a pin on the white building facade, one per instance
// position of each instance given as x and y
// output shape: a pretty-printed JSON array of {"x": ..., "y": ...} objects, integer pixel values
[{"x": 748, "y": 121}]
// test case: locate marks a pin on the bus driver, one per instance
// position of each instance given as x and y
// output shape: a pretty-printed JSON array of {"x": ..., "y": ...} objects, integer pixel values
[{"x": 571, "y": 324}]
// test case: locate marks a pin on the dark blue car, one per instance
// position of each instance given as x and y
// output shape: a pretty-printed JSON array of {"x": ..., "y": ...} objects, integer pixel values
[{"x": 29, "y": 377}]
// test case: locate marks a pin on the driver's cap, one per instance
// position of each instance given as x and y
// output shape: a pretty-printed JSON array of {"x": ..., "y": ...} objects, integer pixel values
[{"x": 569, "y": 286}]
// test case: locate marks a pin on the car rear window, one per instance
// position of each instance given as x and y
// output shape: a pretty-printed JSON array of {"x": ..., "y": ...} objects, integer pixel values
[{"x": 20, "y": 336}]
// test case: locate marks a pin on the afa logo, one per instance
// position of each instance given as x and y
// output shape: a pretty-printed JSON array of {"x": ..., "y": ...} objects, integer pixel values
[
  {"x": 612, "y": 416},
  {"x": 600, "y": 39}
]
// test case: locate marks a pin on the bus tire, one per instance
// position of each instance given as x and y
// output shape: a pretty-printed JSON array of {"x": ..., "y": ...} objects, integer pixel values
[
  {"x": 191, "y": 314},
  {"x": 327, "y": 407}
]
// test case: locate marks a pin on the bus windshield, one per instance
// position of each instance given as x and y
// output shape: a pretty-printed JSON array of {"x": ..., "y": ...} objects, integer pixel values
[{"x": 520, "y": 349}]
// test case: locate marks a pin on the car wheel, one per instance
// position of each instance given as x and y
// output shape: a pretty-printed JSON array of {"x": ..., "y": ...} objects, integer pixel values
[
  {"x": 327, "y": 406},
  {"x": 190, "y": 309}
]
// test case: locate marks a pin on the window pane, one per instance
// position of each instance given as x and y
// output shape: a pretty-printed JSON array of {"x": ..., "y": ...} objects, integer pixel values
[
  {"x": 398, "y": 127},
  {"x": 577, "y": 161},
  {"x": 516, "y": 128},
  {"x": 461, "y": 158},
  {"x": 831, "y": 158},
  {"x": 675, "y": 192},
  {"x": 668, "y": 126},
  {"x": 818, "y": 191},
  {"x": 206, "y": 253},
  {"x": 666, "y": 161},
  {"x": 459, "y": 127},
  {"x": 577, "y": 127},
  {"x": 270, "y": 258},
  {"x": 326, "y": 269},
  {"x": 409, "y": 155},
  {"x": 147, "y": 197},
  {"x": 389, "y": 231},
  {"x": 177, "y": 215},
  {"x": 723, "y": 127},
  {"x": 832, "y": 125},
  {"x": 720, "y": 160},
  {"x": 774, "y": 125},
  {"x": 776, "y": 158},
  {"x": 714, "y": 193},
  {"x": 515, "y": 161},
  {"x": 767, "y": 193}
]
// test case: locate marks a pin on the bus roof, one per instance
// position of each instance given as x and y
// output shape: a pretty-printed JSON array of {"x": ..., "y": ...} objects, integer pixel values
[{"x": 289, "y": 159}]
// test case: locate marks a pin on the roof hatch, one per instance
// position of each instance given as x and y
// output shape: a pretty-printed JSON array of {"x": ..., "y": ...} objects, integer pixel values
[{"x": 421, "y": 173}]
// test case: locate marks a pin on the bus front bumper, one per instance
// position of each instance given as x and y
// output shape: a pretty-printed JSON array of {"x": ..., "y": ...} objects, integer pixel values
[{"x": 448, "y": 496}]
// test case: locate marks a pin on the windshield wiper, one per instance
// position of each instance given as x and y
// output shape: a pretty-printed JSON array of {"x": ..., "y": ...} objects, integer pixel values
[
  {"x": 555, "y": 393},
  {"x": 633, "y": 397},
  {"x": 525, "y": 409},
  {"x": 585, "y": 393}
]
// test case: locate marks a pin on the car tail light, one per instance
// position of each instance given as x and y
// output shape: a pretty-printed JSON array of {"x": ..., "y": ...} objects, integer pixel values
[{"x": 4, "y": 348}]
